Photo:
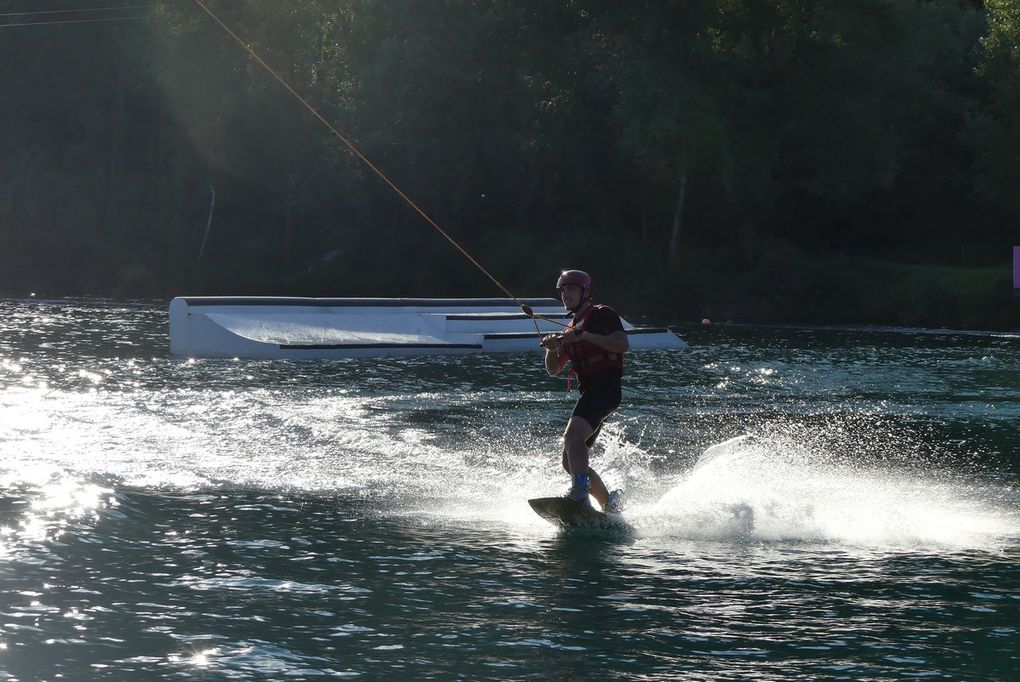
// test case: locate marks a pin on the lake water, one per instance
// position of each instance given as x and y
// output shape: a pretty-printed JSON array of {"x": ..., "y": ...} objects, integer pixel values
[{"x": 803, "y": 503}]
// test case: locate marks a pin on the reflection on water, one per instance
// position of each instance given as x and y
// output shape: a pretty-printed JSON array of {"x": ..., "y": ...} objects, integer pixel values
[{"x": 811, "y": 503}]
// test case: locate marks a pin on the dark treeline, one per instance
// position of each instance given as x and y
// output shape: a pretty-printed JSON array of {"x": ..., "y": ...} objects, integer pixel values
[{"x": 779, "y": 160}]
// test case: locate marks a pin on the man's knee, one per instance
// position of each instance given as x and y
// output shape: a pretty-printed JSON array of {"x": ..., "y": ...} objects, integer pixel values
[
  {"x": 573, "y": 442},
  {"x": 578, "y": 430}
]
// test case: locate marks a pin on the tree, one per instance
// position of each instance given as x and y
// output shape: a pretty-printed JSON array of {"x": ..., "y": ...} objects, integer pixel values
[{"x": 994, "y": 131}]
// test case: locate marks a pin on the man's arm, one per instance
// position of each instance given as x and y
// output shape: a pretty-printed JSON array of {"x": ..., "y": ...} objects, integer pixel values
[
  {"x": 555, "y": 358},
  {"x": 614, "y": 342}
]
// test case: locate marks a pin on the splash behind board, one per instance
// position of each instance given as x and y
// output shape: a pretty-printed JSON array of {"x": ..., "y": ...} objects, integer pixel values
[{"x": 571, "y": 514}]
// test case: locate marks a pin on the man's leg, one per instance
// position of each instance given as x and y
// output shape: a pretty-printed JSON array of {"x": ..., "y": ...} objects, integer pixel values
[
  {"x": 598, "y": 489},
  {"x": 575, "y": 456},
  {"x": 575, "y": 450}
]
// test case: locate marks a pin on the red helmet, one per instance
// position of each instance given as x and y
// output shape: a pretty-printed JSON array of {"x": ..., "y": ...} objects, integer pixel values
[{"x": 578, "y": 277}]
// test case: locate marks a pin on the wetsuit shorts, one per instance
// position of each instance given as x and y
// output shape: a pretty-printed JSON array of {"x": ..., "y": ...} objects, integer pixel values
[{"x": 598, "y": 400}]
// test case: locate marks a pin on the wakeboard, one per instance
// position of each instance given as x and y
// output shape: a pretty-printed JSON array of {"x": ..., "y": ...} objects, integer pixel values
[{"x": 567, "y": 513}]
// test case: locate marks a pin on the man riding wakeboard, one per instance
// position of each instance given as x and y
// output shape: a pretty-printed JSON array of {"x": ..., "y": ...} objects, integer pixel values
[{"x": 593, "y": 344}]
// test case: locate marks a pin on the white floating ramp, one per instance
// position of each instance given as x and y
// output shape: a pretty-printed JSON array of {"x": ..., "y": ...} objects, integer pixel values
[{"x": 313, "y": 328}]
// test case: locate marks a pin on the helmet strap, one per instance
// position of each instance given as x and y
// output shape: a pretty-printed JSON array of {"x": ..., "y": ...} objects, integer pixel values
[{"x": 580, "y": 304}]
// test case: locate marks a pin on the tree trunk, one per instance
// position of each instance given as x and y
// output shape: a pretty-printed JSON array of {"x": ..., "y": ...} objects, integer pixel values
[
  {"x": 678, "y": 223},
  {"x": 108, "y": 220},
  {"x": 643, "y": 208},
  {"x": 748, "y": 236},
  {"x": 208, "y": 222}
]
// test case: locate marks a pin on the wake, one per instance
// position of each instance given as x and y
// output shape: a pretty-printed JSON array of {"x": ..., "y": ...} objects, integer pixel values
[{"x": 766, "y": 489}]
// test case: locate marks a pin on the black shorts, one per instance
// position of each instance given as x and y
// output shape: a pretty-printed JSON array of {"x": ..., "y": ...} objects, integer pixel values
[{"x": 595, "y": 404}]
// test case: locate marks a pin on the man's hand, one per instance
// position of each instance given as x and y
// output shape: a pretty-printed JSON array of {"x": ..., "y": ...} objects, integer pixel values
[
  {"x": 552, "y": 341},
  {"x": 571, "y": 336}
]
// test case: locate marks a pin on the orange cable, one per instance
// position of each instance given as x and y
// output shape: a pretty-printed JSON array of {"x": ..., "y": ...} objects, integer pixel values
[{"x": 354, "y": 150}]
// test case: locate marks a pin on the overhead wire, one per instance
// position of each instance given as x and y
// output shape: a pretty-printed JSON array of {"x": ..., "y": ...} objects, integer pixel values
[
  {"x": 21, "y": 24},
  {"x": 24, "y": 16},
  {"x": 81, "y": 10}
]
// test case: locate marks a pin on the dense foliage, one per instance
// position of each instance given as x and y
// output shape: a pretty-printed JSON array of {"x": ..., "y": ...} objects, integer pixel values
[{"x": 767, "y": 159}]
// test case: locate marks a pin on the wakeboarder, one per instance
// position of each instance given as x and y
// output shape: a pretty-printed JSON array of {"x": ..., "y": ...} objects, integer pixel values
[{"x": 593, "y": 344}]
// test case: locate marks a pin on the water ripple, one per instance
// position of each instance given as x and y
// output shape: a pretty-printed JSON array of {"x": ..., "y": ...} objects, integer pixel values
[{"x": 803, "y": 504}]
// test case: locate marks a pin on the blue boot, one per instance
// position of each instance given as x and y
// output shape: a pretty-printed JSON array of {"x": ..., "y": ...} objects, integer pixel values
[
  {"x": 614, "y": 505},
  {"x": 580, "y": 490}
]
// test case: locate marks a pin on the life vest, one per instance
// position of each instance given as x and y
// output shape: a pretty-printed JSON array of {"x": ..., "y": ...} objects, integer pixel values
[{"x": 587, "y": 358}]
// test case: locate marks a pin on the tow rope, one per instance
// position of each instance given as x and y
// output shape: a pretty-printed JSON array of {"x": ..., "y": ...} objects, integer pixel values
[{"x": 526, "y": 309}]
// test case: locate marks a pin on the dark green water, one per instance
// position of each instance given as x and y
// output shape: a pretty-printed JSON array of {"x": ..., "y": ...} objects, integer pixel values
[{"x": 814, "y": 504}]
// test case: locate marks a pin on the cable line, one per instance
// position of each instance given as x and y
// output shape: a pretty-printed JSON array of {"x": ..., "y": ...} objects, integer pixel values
[
  {"x": 75, "y": 21},
  {"x": 354, "y": 150},
  {"x": 54, "y": 21},
  {"x": 74, "y": 11}
]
